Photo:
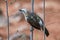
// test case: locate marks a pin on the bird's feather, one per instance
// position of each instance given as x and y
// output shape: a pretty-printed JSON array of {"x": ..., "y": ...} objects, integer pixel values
[
  {"x": 36, "y": 22},
  {"x": 32, "y": 19}
]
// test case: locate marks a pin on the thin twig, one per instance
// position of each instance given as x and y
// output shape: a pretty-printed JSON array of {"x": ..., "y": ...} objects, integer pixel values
[
  {"x": 7, "y": 17},
  {"x": 44, "y": 16},
  {"x": 31, "y": 29}
]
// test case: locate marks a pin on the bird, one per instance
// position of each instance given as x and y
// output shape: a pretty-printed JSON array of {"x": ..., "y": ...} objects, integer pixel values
[{"x": 34, "y": 20}]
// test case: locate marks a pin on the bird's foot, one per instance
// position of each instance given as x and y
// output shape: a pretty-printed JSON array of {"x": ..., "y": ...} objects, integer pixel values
[{"x": 32, "y": 29}]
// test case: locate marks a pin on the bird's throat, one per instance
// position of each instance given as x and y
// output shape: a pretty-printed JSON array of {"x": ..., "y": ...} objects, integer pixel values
[{"x": 26, "y": 14}]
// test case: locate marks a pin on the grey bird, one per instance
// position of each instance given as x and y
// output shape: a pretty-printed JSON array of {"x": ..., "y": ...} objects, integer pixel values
[{"x": 34, "y": 20}]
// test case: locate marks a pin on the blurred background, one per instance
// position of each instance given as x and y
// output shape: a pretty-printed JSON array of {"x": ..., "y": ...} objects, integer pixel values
[{"x": 19, "y": 29}]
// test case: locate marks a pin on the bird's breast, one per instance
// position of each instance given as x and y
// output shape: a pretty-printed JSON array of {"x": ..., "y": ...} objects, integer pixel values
[{"x": 33, "y": 22}]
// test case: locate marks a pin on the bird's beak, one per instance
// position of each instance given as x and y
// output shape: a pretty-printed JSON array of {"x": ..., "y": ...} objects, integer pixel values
[{"x": 20, "y": 10}]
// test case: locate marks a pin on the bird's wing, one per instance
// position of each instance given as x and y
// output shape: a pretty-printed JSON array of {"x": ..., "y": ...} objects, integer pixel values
[
  {"x": 40, "y": 21},
  {"x": 36, "y": 22},
  {"x": 32, "y": 20},
  {"x": 42, "y": 25}
]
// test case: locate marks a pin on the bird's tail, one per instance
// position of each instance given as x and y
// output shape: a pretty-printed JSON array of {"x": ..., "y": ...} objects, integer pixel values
[{"x": 46, "y": 32}]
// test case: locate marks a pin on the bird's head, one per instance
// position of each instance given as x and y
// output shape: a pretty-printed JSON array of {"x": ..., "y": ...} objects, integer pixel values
[{"x": 24, "y": 12}]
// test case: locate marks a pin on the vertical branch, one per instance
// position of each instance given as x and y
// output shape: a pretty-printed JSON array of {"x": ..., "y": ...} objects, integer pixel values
[
  {"x": 31, "y": 33},
  {"x": 32, "y": 3},
  {"x": 31, "y": 29},
  {"x": 44, "y": 17},
  {"x": 7, "y": 16}
]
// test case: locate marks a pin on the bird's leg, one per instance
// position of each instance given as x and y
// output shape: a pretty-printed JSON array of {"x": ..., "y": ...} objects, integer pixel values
[
  {"x": 40, "y": 29},
  {"x": 31, "y": 29}
]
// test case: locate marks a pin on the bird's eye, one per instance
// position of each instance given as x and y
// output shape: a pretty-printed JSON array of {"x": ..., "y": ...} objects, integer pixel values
[{"x": 23, "y": 11}]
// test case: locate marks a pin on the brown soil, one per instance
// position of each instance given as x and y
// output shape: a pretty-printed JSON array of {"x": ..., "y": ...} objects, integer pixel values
[{"x": 52, "y": 18}]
